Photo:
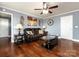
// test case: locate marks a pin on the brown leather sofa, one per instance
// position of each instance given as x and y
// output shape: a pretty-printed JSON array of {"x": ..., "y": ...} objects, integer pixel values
[{"x": 32, "y": 37}]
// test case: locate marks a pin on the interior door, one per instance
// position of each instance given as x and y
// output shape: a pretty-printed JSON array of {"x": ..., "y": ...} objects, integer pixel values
[
  {"x": 67, "y": 27},
  {"x": 4, "y": 27}
]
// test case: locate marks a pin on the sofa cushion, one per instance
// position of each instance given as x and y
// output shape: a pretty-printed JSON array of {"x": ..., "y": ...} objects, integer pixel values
[
  {"x": 40, "y": 31},
  {"x": 30, "y": 32}
]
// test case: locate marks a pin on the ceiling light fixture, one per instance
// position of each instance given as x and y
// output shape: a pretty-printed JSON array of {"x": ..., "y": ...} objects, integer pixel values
[
  {"x": 45, "y": 11},
  {"x": 3, "y": 9}
]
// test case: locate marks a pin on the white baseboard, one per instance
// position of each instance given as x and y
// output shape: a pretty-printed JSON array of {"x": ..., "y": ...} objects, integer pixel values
[{"x": 76, "y": 40}]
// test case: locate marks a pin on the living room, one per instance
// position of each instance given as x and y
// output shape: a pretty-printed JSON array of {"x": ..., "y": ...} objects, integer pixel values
[{"x": 39, "y": 29}]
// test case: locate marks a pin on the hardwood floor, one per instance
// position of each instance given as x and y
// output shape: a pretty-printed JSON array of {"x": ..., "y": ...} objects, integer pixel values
[{"x": 65, "y": 48}]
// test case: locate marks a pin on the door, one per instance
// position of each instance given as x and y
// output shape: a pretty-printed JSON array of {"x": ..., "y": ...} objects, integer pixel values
[
  {"x": 4, "y": 27},
  {"x": 67, "y": 27}
]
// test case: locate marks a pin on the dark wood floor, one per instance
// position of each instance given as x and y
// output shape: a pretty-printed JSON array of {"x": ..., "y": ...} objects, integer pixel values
[{"x": 34, "y": 49}]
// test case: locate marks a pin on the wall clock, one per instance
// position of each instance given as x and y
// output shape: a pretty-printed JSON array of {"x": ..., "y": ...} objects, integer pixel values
[{"x": 50, "y": 22}]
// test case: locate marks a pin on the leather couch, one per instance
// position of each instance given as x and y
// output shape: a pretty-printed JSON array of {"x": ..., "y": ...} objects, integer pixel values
[{"x": 34, "y": 36}]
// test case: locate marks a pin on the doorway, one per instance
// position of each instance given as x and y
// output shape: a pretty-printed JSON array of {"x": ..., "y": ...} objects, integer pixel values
[
  {"x": 5, "y": 27},
  {"x": 67, "y": 27}
]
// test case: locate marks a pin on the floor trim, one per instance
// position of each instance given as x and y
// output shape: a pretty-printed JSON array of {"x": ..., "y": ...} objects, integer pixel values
[{"x": 76, "y": 40}]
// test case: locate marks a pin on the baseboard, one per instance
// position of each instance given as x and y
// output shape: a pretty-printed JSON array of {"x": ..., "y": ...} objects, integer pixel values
[{"x": 76, "y": 40}]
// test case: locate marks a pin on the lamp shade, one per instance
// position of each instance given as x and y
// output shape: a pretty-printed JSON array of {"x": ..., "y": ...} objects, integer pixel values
[
  {"x": 44, "y": 26},
  {"x": 19, "y": 26}
]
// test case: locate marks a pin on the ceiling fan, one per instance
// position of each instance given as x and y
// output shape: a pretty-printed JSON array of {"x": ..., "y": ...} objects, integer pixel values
[{"x": 46, "y": 9}]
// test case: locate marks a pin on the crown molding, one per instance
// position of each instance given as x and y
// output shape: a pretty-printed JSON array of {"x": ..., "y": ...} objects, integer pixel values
[
  {"x": 21, "y": 12},
  {"x": 63, "y": 13},
  {"x": 35, "y": 15}
]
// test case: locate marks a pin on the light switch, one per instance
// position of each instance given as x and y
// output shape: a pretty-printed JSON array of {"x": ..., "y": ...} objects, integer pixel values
[{"x": 76, "y": 26}]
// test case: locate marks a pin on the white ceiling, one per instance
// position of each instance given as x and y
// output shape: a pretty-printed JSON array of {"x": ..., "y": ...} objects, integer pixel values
[{"x": 28, "y": 7}]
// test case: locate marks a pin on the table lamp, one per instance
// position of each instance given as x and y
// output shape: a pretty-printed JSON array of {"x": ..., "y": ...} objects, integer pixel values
[
  {"x": 19, "y": 27},
  {"x": 44, "y": 27}
]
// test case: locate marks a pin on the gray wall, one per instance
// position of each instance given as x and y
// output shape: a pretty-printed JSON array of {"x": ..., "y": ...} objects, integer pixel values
[
  {"x": 55, "y": 29},
  {"x": 76, "y": 23},
  {"x": 16, "y": 19}
]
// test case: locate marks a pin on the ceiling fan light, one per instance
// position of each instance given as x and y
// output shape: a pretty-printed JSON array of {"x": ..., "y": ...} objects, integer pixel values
[{"x": 45, "y": 11}]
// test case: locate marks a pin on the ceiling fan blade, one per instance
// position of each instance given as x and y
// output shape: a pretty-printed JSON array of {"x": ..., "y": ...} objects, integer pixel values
[
  {"x": 53, "y": 7},
  {"x": 37, "y": 9},
  {"x": 41, "y": 13},
  {"x": 50, "y": 11}
]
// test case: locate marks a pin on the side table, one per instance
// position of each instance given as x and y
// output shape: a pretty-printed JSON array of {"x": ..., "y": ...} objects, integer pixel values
[{"x": 18, "y": 39}]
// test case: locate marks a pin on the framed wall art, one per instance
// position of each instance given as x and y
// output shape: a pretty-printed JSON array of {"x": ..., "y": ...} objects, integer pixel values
[
  {"x": 32, "y": 21},
  {"x": 22, "y": 20}
]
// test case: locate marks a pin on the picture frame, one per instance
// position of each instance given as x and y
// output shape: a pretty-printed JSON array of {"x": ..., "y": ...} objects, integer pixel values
[
  {"x": 22, "y": 20},
  {"x": 32, "y": 21}
]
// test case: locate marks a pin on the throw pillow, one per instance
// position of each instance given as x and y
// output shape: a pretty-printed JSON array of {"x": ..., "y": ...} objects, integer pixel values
[{"x": 40, "y": 31}]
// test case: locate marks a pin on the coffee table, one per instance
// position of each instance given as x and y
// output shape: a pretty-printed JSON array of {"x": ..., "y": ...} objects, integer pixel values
[{"x": 50, "y": 41}]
